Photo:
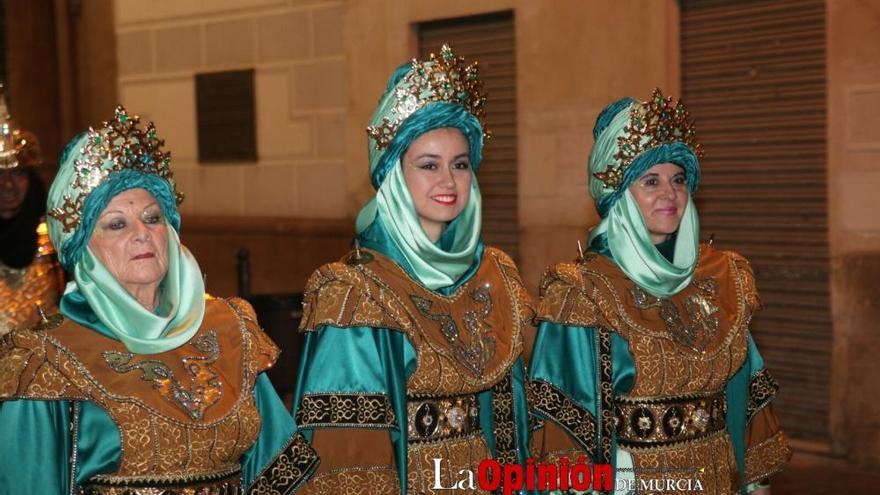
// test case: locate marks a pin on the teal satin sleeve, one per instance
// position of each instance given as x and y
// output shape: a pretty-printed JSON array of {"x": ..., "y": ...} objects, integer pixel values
[
  {"x": 359, "y": 360},
  {"x": 35, "y": 457},
  {"x": 521, "y": 410},
  {"x": 276, "y": 430},
  {"x": 737, "y": 392},
  {"x": 567, "y": 358},
  {"x": 98, "y": 445}
]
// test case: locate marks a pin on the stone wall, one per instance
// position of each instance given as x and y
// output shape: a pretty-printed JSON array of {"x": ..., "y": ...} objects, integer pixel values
[
  {"x": 297, "y": 53},
  {"x": 853, "y": 32}
]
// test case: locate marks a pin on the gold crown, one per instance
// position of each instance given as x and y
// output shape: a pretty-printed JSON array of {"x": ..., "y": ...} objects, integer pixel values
[
  {"x": 121, "y": 142},
  {"x": 651, "y": 123},
  {"x": 441, "y": 79},
  {"x": 17, "y": 147}
]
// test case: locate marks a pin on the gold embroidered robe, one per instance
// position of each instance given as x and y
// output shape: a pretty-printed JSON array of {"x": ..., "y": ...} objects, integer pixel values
[
  {"x": 22, "y": 290},
  {"x": 395, "y": 375},
  {"x": 661, "y": 369},
  {"x": 184, "y": 417}
]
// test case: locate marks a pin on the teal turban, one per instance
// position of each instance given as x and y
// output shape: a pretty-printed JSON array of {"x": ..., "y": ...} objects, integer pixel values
[
  {"x": 422, "y": 96},
  {"x": 95, "y": 167},
  {"x": 630, "y": 138}
]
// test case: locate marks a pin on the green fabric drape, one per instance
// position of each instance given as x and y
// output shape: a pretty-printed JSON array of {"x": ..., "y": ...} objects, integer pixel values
[
  {"x": 631, "y": 247},
  {"x": 434, "y": 265},
  {"x": 97, "y": 295}
]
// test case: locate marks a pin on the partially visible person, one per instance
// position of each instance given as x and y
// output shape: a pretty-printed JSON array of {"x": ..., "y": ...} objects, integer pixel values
[
  {"x": 30, "y": 277},
  {"x": 140, "y": 385},
  {"x": 644, "y": 357}
]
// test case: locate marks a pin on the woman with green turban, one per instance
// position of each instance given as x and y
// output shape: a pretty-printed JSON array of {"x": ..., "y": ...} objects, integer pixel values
[
  {"x": 411, "y": 371},
  {"x": 140, "y": 385},
  {"x": 643, "y": 357}
]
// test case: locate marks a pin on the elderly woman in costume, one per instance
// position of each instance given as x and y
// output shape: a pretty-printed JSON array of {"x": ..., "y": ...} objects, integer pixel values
[
  {"x": 30, "y": 277},
  {"x": 643, "y": 356},
  {"x": 140, "y": 385},
  {"x": 411, "y": 372}
]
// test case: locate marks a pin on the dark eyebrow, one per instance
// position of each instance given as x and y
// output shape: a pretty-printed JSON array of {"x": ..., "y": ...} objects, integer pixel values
[{"x": 427, "y": 155}]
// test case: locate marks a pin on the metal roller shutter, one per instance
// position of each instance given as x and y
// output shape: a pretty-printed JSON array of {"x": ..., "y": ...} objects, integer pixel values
[
  {"x": 489, "y": 39},
  {"x": 753, "y": 77}
]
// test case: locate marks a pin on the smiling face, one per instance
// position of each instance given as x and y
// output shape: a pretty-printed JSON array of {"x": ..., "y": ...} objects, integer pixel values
[
  {"x": 131, "y": 241},
  {"x": 437, "y": 170},
  {"x": 662, "y": 194},
  {"x": 14, "y": 185}
]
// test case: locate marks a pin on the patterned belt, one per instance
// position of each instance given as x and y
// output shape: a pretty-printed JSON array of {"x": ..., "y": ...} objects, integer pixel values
[
  {"x": 440, "y": 418},
  {"x": 663, "y": 421},
  {"x": 221, "y": 483}
]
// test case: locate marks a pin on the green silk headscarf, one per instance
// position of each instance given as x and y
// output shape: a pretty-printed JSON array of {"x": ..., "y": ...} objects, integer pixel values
[
  {"x": 95, "y": 298},
  {"x": 176, "y": 318},
  {"x": 434, "y": 265},
  {"x": 623, "y": 227}
]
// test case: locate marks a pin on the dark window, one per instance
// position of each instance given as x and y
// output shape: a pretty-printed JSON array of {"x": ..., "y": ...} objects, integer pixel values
[
  {"x": 490, "y": 40},
  {"x": 225, "y": 109}
]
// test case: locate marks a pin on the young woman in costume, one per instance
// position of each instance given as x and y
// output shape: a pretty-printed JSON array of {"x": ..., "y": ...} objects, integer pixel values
[{"x": 411, "y": 372}]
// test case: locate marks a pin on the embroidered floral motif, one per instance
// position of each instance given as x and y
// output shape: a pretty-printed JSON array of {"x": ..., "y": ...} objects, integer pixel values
[
  {"x": 700, "y": 309},
  {"x": 476, "y": 355},
  {"x": 206, "y": 389}
]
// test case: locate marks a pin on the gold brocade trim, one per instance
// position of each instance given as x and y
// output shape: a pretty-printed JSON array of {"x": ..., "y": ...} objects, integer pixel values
[
  {"x": 669, "y": 420},
  {"x": 205, "y": 390},
  {"x": 440, "y": 418},
  {"x": 553, "y": 403},
  {"x": 164, "y": 481},
  {"x": 606, "y": 394},
  {"x": 231, "y": 485},
  {"x": 767, "y": 458},
  {"x": 505, "y": 423},
  {"x": 371, "y": 480},
  {"x": 762, "y": 389},
  {"x": 349, "y": 410},
  {"x": 288, "y": 470}
]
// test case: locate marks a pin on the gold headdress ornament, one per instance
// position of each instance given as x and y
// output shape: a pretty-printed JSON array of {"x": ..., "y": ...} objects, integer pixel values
[
  {"x": 17, "y": 147},
  {"x": 651, "y": 123},
  {"x": 441, "y": 79},
  {"x": 119, "y": 145}
]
